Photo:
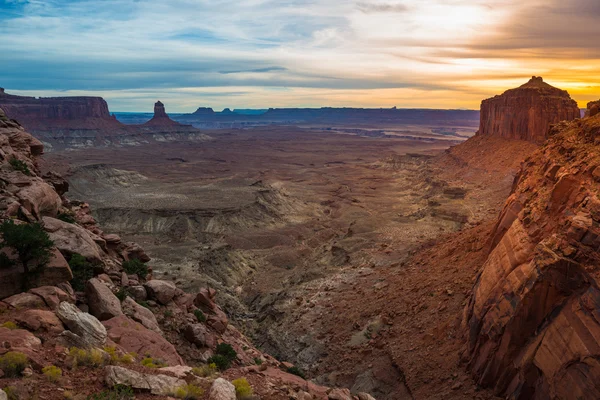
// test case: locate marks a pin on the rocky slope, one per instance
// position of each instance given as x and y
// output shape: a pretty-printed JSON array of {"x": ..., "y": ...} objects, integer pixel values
[
  {"x": 120, "y": 331},
  {"x": 532, "y": 322},
  {"x": 526, "y": 113}
]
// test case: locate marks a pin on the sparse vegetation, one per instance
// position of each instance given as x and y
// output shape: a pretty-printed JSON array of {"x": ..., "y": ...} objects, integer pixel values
[
  {"x": 5, "y": 261},
  {"x": 116, "y": 357},
  {"x": 93, "y": 358},
  {"x": 52, "y": 372},
  {"x": 189, "y": 392},
  {"x": 243, "y": 390},
  {"x": 119, "y": 392},
  {"x": 29, "y": 241},
  {"x": 143, "y": 303},
  {"x": 121, "y": 294},
  {"x": 200, "y": 315},
  {"x": 11, "y": 393},
  {"x": 9, "y": 325},
  {"x": 150, "y": 362},
  {"x": 82, "y": 270},
  {"x": 13, "y": 363},
  {"x": 135, "y": 266},
  {"x": 258, "y": 361},
  {"x": 66, "y": 217},
  {"x": 206, "y": 371},
  {"x": 168, "y": 314},
  {"x": 296, "y": 371},
  {"x": 223, "y": 357},
  {"x": 20, "y": 166}
]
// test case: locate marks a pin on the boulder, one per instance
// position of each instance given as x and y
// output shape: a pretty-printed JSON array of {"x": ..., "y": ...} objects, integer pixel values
[
  {"x": 40, "y": 320},
  {"x": 365, "y": 396},
  {"x": 84, "y": 329},
  {"x": 222, "y": 389},
  {"x": 200, "y": 336},
  {"x": 3, "y": 395},
  {"x": 340, "y": 394},
  {"x": 23, "y": 301},
  {"x": 134, "y": 251},
  {"x": 132, "y": 336},
  {"x": 71, "y": 239},
  {"x": 60, "y": 184},
  {"x": 161, "y": 385},
  {"x": 101, "y": 300},
  {"x": 18, "y": 339},
  {"x": 161, "y": 291},
  {"x": 140, "y": 314},
  {"x": 138, "y": 292},
  {"x": 39, "y": 198},
  {"x": 52, "y": 295},
  {"x": 180, "y": 371}
]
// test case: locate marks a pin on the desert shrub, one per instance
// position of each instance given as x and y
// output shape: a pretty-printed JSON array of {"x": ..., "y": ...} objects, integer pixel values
[
  {"x": 143, "y": 303},
  {"x": 9, "y": 325},
  {"x": 88, "y": 358},
  {"x": 66, "y": 217},
  {"x": 52, "y": 372},
  {"x": 29, "y": 241},
  {"x": 189, "y": 392},
  {"x": 20, "y": 166},
  {"x": 135, "y": 266},
  {"x": 220, "y": 361},
  {"x": 68, "y": 395},
  {"x": 116, "y": 357},
  {"x": 296, "y": 371},
  {"x": 13, "y": 363},
  {"x": 205, "y": 371},
  {"x": 5, "y": 261},
  {"x": 82, "y": 270},
  {"x": 150, "y": 362},
  {"x": 11, "y": 393},
  {"x": 226, "y": 350},
  {"x": 258, "y": 361},
  {"x": 242, "y": 388},
  {"x": 168, "y": 314},
  {"x": 223, "y": 357},
  {"x": 121, "y": 294},
  {"x": 200, "y": 315},
  {"x": 119, "y": 392}
]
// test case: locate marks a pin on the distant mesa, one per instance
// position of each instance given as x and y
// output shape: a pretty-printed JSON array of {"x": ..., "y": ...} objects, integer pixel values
[
  {"x": 593, "y": 108},
  {"x": 204, "y": 111},
  {"x": 526, "y": 113},
  {"x": 226, "y": 111}
]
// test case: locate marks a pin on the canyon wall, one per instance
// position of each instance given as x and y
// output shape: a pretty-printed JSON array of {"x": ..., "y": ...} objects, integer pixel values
[
  {"x": 526, "y": 113},
  {"x": 533, "y": 320}
]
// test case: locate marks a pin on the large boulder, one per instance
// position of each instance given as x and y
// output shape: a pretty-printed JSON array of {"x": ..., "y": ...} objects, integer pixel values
[
  {"x": 39, "y": 198},
  {"x": 222, "y": 389},
  {"x": 18, "y": 339},
  {"x": 25, "y": 301},
  {"x": 40, "y": 320},
  {"x": 340, "y": 394},
  {"x": 51, "y": 295},
  {"x": 132, "y": 336},
  {"x": 141, "y": 314},
  {"x": 71, "y": 239},
  {"x": 161, "y": 385},
  {"x": 85, "y": 330},
  {"x": 200, "y": 336},
  {"x": 161, "y": 291},
  {"x": 102, "y": 302}
]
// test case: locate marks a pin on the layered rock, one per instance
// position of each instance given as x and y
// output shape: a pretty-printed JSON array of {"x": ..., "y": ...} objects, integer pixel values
[
  {"x": 160, "y": 117},
  {"x": 526, "y": 113},
  {"x": 533, "y": 320}
]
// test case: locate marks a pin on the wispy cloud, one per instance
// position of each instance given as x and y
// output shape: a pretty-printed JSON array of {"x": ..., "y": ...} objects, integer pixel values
[{"x": 436, "y": 53}]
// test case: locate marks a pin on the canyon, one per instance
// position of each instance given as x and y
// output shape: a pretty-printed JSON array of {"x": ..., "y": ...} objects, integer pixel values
[{"x": 397, "y": 253}]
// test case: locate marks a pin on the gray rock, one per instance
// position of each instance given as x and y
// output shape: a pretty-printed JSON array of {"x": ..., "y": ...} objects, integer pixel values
[
  {"x": 157, "y": 384},
  {"x": 140, "y": 314},
  {"x": 161, "y": 291},
  {"x": 138, "y": 292},
  {"x": 103, "y": 303},
  {"x": 199, "y": 335},
  {"x": 222, "y": 389},
  {"x": 3, "y": 395},
  {"x": 85, "y": 330}
]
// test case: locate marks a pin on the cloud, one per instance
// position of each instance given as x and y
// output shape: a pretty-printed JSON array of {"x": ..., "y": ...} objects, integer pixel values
[{"x": 381, "y": 7}]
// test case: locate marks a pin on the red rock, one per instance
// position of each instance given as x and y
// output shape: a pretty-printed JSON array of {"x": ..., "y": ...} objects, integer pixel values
[
  {"x": 101, "y": 300},
  {"x": 526, "y": 113},
  {"x": 160, "y": 117},
  {"x": 162, "y": 291},
  {"x": 132, "y": 336},
  {"x": 36, "y": 320},
  {"x": 52, "y": 295},
  {"x": 24, "y": 301}
]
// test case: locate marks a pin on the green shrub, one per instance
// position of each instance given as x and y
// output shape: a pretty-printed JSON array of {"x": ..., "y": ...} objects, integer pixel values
[
  {"x": 11, "y": 393},
  {"x": 242, "y": 388},
  {"x": 135, "y": 266},
  {"x": 143, "y": 303},
  {"x": 82, "y": 270},
  {"x": 89, "y": 358},
  {"x": 200, "y": 315},
  {"x": 119, "y": 392},
  {"x": 296, "y": 371},
  {"x": 223, "y": 357},
  {"x": 6, "y": 262},
  {"x": 226, "y": 350},
  {"x": 116, "y": 357},
  {"x": 205, "y": 371},
  {"x": 258, "y": 361},
  {"x": 29, "y": 241},
  {"x": 220, "y": 361},
  {"x": 189, "y": 392},
  {"x": 168, "y": 314},
  {"x": 150, "y": 362},
  {"x": 66, "y": 217},
  {"x": 9, "y": 325},
  {"x": 121, "y": 294},
  {"x": 13, "y": 363},
  {"x": 20, "y": 166},
  {"x": 53, "y": 373}
]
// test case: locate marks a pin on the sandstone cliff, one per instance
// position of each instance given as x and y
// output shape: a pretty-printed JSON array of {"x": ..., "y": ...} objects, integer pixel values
[
  {"x": 533, "y": 322},
  {"x": 526, "y": 113}
]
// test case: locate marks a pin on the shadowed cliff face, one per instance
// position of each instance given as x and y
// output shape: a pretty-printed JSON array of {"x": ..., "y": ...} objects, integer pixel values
[
  {"x": 533, "y": 321},
  {"x": 526, "y": 113}
]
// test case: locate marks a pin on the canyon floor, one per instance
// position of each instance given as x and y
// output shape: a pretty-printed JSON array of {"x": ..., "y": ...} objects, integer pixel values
[{"x": 336, "y": 252}]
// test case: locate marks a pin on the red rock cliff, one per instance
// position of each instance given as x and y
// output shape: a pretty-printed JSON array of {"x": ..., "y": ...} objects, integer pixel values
[
  {"x": 527, "y": 112},
  {"x": 533, "y": 320}
]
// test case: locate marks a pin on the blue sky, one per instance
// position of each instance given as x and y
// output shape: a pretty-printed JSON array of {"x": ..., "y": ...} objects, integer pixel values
[{"x": 276, "y": 53}]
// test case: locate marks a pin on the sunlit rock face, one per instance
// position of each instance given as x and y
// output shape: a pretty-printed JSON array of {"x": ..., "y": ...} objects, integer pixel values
[{"x": 526, "y": 113}]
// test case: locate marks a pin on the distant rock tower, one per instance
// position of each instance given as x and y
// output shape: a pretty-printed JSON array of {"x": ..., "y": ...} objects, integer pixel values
[
  {"x": 160, "y": 117},
  {"x": 159, "y": 110},
  {"x": 526, "y": 113}
]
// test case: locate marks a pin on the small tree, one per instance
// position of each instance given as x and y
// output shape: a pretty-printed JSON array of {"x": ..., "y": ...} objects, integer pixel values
[{"x": 29, "y": 241}]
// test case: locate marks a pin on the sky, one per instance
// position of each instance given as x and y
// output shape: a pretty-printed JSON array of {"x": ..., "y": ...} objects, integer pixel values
[{"x": 294, "y": 53}]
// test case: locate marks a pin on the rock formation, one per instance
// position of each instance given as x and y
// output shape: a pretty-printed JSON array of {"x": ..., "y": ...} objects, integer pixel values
[
  {"x": 533, "y": 320},
  {"x": 593, "y": 108},
  {"x": 160, "y": 117},
  {"x": 527, "y": 112}
]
